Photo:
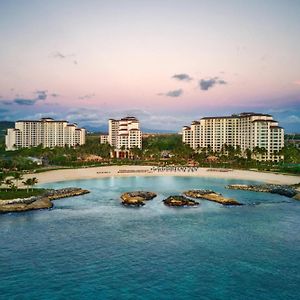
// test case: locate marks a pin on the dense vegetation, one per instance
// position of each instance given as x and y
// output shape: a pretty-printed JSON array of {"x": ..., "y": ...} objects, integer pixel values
[
  {"x": 157, "y": 150},
  {"x": 6, "y": 194}
]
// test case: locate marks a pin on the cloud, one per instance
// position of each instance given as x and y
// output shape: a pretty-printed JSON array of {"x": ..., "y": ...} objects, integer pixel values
[
  {"x": 86, "y": 116},
  {"x": 292, "y": 119},
  {"x": 54, "y": 95},
  {"x": 21, "y": 101},
  {"x": 174, "y": 93},
  {"x": 206, "y": 84},
  {"x": 6, "y": 102},
  {"x": 61, "y": 56},
  {"x": 182, "y": 77},
  {"x": 88, "y": 96},
  {"x": 41, "y": 95}
]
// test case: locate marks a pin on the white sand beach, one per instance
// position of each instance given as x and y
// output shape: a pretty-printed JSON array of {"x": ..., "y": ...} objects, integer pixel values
[{"x": 118, "y": 171}]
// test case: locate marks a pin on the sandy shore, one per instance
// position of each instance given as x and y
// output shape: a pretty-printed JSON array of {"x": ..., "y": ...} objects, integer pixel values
[{"x": 118, "y": 171}]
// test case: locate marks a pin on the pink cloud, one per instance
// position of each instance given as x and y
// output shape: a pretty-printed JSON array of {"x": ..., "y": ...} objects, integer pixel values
[{"x": 297, "y": 82}]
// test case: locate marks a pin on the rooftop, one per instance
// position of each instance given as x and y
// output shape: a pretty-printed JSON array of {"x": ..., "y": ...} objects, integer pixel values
[{"x": 241, "y": 115}]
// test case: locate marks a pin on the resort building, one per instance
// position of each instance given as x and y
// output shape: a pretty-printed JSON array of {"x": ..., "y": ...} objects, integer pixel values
[
  {"x": 123, "y": 135},
  {"x": 253, "y": 131},
  {"x": 46, "y": 132}
]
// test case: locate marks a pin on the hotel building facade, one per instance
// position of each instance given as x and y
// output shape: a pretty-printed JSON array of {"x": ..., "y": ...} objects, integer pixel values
[
  {"x": 123, "y": 134},
  {"x": 46, "y": 132},
  {"x": 246, "y": 130}
]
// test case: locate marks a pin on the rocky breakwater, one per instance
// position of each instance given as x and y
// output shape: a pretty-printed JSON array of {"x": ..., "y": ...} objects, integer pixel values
[
  {"x": 211, "y": 196},
  {"x": 179, "y": 201},
  {"x": 26, "y": 204},
  {"x": 284, "y": 190},
  {"x": 65, "y": 193},
  {"x": 38, "y": 202},
  {"x": 136, "y": 198}
]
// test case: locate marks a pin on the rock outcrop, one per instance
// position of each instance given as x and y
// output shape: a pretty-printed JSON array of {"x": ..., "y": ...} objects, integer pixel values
[
  {"x": 39, "y": 202},
  {"x": 284, "y": 190},
  {"x": 136, "y": 198},
  {"x": 65, "y": 193},
  {"x": 211, "y": 196},
  {"x": 178, "y": 201}
]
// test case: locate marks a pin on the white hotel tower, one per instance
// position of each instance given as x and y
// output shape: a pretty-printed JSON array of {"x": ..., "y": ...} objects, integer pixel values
[
  {"x": 247, "y": 130},
  {"x": 46, "y": 132},
  {"x": 123, "y": 135}
]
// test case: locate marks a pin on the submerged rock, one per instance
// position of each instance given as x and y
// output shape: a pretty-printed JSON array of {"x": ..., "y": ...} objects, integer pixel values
[
  {"x": 211, "y": 196},
  {"x": 179, "y": 201},
  {"x": 136, "y": 198}
]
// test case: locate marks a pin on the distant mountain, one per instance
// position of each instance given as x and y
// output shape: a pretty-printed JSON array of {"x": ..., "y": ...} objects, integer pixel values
[
  {"x": 147, "y": 130},
  {"x": 3, "y": 126},
  {"x": 104, "y": 129}
]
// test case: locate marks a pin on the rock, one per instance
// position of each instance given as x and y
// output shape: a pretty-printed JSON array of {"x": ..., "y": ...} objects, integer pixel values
[
  {"x": 211, "y": 196},
  {"x": 39, "y": 202},
  {"x": 65, "y": 192},
  {"x": 137, "y": 198},
  {"x": 179, "y": 201},
  {"x": 297, "y": 196},
  {"x": 284, "y": 190}
]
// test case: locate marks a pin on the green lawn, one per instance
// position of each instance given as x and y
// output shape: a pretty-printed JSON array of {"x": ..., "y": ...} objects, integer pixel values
[{"x": 20, "y": 193}]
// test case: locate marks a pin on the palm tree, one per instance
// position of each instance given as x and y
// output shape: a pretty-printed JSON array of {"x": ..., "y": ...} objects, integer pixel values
[
  {"x": 8, "y": 183},
  {"x": 248, "y": 154},
  {"x": 34, "y": 181},
  {"x": 17, "y": 177},
  {"x": 28, "y": 183},
  {"x": 2, "y": 178}
]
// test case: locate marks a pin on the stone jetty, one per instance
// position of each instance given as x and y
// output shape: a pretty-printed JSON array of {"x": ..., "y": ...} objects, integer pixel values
[
  {"x": 136, "y": 198},
  {"x": 39, "y": 202},
  {"x": 179, "y": 201},
  {"x": 284, "y": 190},
  {"x": 211, "y": 196}
]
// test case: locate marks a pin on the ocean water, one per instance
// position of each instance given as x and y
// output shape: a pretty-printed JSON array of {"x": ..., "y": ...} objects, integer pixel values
[{"x": 91, "y": 247}]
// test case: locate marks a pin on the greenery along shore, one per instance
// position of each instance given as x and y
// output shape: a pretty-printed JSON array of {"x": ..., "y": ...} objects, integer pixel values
[{"x": 157, "y": 150}]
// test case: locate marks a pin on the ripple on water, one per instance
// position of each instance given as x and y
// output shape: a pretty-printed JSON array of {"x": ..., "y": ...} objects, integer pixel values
[{"x": 91, "y": 247}]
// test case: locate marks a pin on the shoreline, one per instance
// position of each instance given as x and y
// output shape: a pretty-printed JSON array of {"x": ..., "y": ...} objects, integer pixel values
[{"x": 130, "y": 171}]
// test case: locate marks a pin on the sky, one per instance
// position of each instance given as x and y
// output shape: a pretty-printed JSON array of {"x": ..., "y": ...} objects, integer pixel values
[{"x": 167, "y": 62}]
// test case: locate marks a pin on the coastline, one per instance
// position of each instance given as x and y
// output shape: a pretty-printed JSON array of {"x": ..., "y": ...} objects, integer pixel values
[{"x": 129, "y": 171}]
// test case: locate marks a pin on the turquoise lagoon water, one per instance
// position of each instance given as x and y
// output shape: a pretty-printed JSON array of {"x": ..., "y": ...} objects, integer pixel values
[{"x": 90, "y": 247}]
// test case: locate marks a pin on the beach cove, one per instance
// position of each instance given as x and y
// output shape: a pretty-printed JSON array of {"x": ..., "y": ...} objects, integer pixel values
[{"x": 126, "y": 171}]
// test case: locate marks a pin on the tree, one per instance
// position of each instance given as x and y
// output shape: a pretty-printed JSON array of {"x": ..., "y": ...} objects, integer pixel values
[
  {"x": 291, "y": 154},
  {"x": 27, "y": 183},
  {"x": 2, "y": 178},
  {"x": 136, "y": 152},
  {"x": 17, "y": 177},
  {"x": 8, "y": 183},
  {"x": 248, "y": 154},
  {"x": 30, "y": 182},
  {"x": 259, "y": 151},
  {"x": 34, "y": 181}
]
